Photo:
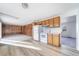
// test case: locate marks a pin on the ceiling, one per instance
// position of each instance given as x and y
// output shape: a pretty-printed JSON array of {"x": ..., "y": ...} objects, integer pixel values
[{"x": 35, "y": 11}]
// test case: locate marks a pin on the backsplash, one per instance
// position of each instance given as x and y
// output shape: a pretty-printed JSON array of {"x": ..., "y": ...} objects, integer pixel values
[
  {"x": 45, "y": 29},
  {"x": 55, "y": 30}
]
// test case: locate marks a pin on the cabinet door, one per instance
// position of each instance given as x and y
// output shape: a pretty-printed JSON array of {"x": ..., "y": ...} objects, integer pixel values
[
  {"x": 30, "y": 29},
  {"x": 25, "y": 29},
  {"x": 22, "y": 28},
  {"x": 50, "y": 39},
  {"x": 56, "y": 40},
  {"x": 56, "y": 21},
  {"x": 35, "y": 23},
  {"x": 39, "y": 23},
  {"x": 51, "y": 22},
  {"x": 47, "y": 22},
  {"x": 43, "y": 22}
]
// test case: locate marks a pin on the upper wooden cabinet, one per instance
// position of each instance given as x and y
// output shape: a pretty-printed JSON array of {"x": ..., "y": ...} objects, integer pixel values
[
  {"x": 47, "y": 22},
  {"x": 42, "y": 22},
  {"x": 37, "y": 23},
  {"x": 56, "y": 21},
  {"x": 51, "y": 22}
]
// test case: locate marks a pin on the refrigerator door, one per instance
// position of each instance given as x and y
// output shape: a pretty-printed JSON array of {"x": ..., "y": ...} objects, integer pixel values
[
  {"x": 0, "y": 30},
  {"x": 35, "y": 33}
]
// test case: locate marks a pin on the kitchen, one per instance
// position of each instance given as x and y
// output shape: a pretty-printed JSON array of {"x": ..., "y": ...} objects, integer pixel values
[
  {"x": 47, "y": 31},
  {"x": 34, "y": 30}
]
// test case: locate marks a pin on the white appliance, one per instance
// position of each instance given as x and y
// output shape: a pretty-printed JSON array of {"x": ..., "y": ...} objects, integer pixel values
[
  {"x": 43, "y": 37},
  {"x": 36, "y": 33},
  {"x": 0, "y": 30},
  {"x": 43, "y": 34},
  {"x": 40, "y": 33}
]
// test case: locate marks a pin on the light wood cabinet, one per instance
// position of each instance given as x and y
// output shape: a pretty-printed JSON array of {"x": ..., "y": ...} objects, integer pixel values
[
  {"x": 28, "y": 30},
  {"x": 11, "y": 29},
  {"x": 56, "y": 40},
  {"x": 47, "y": 22},
  {"x": 37, "y": 23},
  {"x": 42, "y": 22},
  {"x": 51, "y": 22},
  {"x": 56, "y": 21},
  {"x": 22, "y": 29},
  {"x": 50, "y": 39}
]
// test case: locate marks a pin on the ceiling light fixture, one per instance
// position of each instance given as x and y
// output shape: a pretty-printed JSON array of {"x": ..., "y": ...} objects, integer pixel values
[{"x": 25, "y": 5}]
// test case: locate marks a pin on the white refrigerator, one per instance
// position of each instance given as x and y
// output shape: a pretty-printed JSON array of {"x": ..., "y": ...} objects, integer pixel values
[
  {"x": 0, "y": 30},
  {"x": 40, "y": 33},
  {"x": 36, "y": 33}
]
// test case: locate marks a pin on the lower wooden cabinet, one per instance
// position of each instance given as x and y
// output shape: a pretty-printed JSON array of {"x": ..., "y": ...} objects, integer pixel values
[
  {"x": 56, "y": 40},
  {"x": 50, "y": 39}
]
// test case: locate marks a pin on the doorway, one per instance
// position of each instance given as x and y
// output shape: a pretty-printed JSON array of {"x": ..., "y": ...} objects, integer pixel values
[{"x": 68, "y": 34}]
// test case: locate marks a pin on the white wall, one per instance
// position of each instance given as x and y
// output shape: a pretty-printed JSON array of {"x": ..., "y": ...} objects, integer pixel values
[
  {"x": 77, "y": 30},
  {"x": 71, "y": 13},
  {"x": 70, "y": 26}
]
